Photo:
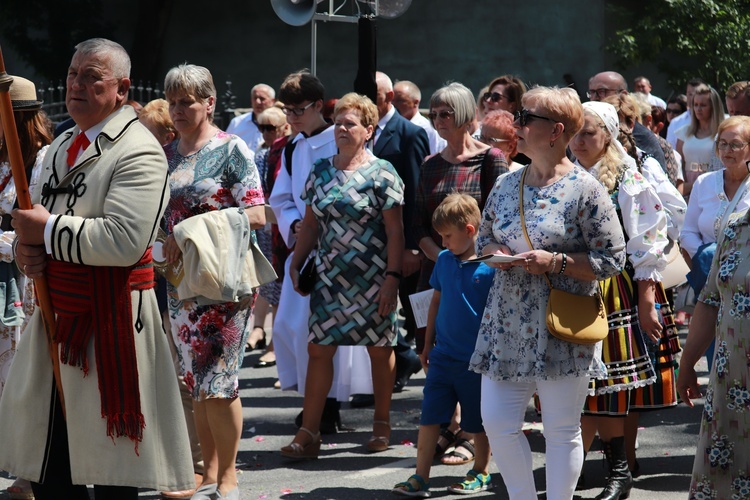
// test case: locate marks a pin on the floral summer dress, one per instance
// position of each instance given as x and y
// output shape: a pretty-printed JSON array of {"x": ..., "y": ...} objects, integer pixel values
[
  {"x": 722, "y": 461},
  {"x": 573, "y": 214},
  {"x": 210, "y": 339},
  {"x": 352, "y": 254}
]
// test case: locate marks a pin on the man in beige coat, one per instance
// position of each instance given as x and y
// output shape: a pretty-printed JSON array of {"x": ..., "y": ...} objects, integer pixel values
[{"x": 104, "y": 189}]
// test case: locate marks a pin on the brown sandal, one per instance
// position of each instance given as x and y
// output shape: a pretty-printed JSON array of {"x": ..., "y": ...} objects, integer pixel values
[
  {"x": 379, "y": 443},
  {"x": 308, "y": 451}
]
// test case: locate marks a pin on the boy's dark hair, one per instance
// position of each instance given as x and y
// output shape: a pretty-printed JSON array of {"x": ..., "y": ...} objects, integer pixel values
[
  {"x": 300, "y": 87},
  {"x": 457, "y": 210}
]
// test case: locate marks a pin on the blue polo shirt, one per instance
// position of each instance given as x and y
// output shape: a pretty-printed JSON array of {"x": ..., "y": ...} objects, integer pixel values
[{"x": 463, "y": 291}]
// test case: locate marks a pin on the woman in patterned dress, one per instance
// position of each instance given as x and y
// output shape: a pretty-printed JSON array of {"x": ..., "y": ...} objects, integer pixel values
[
  {"x": 577, "y": 239},
  {"x": 722, "y": 461},
  {"x": 209, "y": 170},
  {"x": 630, "y": 296},
  {"x": 354, "y": 215}
]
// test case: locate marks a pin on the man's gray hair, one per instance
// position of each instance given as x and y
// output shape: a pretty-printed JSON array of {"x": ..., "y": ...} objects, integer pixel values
[
  {"x": 383, "y": 81},
  {"x": 266, "y": 87},
  {"x": 119, "y": 60},
  {"x": 410, "y": 89}
]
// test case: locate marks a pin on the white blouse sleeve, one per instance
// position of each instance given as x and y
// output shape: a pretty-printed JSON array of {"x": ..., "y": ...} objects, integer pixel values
[
  {"x": 671, "y": 199},
  {"x": 705, "y": 205},
  {"x": 645, "y": 224}
]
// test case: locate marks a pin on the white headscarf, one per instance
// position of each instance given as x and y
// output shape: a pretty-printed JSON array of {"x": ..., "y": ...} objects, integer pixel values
[{"x": 608, "y": 115}]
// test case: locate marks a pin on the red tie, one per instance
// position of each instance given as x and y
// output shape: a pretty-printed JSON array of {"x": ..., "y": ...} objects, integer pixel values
[{"x": 80, "y": 142}]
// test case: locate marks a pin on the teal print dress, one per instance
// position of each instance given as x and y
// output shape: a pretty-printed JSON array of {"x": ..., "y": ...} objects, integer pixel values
[{"x": 352, "y": 255}]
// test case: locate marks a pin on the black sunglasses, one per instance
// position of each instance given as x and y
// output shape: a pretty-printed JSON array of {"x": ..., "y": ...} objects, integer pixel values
[
  {"x": 494, "y": 96},
  {"x": 522, "y": 117},
  {"x": 445, "y": 114},
  {"x": 267, "y": 128}
]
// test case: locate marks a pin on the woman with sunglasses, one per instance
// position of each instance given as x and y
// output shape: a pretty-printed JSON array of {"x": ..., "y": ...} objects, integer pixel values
[
  {"x": 467, "y": 166},
  {"x": 577, "y": 240},
  {"x": 504, "y": 93},
  {"x": 601, "y": 147},
  {"x": 272, "y": 125}
]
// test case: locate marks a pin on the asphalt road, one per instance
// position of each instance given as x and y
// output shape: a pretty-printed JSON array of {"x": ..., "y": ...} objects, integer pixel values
[{"x": 346, "y": 471}]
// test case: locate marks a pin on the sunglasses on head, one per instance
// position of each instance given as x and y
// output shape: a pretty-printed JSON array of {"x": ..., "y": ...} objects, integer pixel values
[
  {"x": 494, "y": 96},
  {"x": 267, "y": 128},
  {"x": 522, "y": 117},
  {"x": 445, "y": 114}
]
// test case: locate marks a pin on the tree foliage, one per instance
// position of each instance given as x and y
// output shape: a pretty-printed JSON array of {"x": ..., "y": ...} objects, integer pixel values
[{"x": 684, "y": 38}]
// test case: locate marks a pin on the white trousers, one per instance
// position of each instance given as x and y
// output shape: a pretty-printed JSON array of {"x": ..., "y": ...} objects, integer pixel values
[
  {"x": 351, "y": 364},
  {"x": 503, "y": 408}
]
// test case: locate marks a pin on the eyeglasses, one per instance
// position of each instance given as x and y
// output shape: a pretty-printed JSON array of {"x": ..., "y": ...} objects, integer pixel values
[
  {"x": 674, "y": 111},
  {"x": 296, "y": 111},
  {"x": 268, "y": 128},
  {"x": 522, "y": 117},
  {"x": 491, "y": 140},
  {"x": 731, "y": 146},
  {"x": 601, "y": 93},
  {"x": 494, "y": 97},
  {"x": 445, "y": 114}
]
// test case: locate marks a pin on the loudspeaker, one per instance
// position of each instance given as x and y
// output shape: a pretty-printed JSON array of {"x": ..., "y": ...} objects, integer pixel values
[{"x": 295, "y": 12}]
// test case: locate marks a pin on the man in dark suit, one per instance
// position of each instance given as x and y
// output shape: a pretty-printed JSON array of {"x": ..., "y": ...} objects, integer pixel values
[{"x": 405, "y": 146}]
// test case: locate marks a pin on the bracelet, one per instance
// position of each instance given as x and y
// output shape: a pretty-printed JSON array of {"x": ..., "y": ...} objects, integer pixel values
[
  {"x": 395, "y": 274},
  {"x": 554, "y": 262},
  {"x": 564, "y": 263}
]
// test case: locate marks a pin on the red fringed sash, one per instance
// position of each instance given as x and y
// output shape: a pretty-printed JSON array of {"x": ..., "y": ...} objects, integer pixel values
[{"x": 95, "y": 301}]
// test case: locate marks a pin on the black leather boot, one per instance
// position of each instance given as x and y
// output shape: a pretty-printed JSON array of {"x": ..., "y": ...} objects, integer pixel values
[
  {"x": 581, "y": 484},
  {"x": 619, "y": 481},
  {"x": 330, "y": 420}
]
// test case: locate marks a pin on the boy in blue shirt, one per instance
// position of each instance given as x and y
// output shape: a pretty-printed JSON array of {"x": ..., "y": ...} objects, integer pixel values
[{"x": 453, "y": 320}]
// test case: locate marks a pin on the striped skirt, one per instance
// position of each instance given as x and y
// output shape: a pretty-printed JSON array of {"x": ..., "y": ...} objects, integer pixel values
[{"x": 640, "y": 372}]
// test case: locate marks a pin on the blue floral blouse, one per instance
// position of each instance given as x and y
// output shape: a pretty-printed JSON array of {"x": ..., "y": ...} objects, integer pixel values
[{"x": 573, "y": 214}]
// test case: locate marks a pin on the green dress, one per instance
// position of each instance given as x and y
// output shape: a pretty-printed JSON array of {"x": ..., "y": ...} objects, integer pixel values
[{"x": 352, "y": 256}]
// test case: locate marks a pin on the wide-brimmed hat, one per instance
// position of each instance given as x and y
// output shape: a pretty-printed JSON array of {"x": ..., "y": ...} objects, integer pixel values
[{"x": 23, "y": 95}]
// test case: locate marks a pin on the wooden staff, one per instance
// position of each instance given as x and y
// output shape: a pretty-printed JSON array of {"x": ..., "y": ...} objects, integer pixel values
[{"x": 24, "y": 202}]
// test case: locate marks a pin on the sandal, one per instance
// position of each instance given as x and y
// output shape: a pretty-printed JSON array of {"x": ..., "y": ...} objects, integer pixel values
[
  {"x": 446, "y": 439},
  {"x": 260, "y": 344},
  {"x": 378, "y": 443},
  {"x": 20, "y": 490},
  {"x": 474, "y": 483},
  {"x": 463, "y": 458},
  {"x": 408, "y": 489},
  {"x": 308, "y": 451}
]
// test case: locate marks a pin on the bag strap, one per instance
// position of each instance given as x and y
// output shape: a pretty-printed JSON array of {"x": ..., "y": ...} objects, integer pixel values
[{"x": 523, "y": 218}]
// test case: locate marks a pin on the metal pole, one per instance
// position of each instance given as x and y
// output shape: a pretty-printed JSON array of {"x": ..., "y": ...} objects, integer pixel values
[{"x": 314, "y": 48}]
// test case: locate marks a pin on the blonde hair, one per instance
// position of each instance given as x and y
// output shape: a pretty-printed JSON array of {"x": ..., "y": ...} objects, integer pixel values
[
  {"x": 626, "y": 106},
  {"x": 157, "y": 113},
  {"x": 368, "y": 112},
  {"x": 458, "y": 210},
  {"x": 562, "y": 105},
  {"x": 610, "y": 164},
  {"x": 717, "y": 110}
]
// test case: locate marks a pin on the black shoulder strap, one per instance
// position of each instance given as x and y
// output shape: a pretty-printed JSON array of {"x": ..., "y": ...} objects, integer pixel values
[{"x": 288, "y": 151}]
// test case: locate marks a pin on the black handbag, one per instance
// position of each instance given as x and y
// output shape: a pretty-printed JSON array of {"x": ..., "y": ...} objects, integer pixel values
[{"x": 308, "y": 276}]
